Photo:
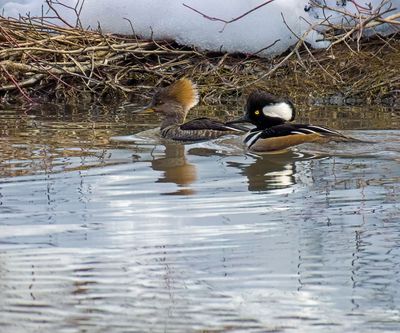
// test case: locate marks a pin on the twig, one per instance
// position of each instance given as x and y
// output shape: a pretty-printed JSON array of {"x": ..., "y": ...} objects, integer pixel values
[
  {"x": 58, "y": 16},
  {"x": 366, "y": 18},
  {"x": 228, "y": 21},
  {"x": 276, "y": 67},
  {"x": 265, "y": 48},
  {"x": 75, "y": 62},
  {"x": 16, "y": 84},
  {"x": 26, "y": 83},
  {"x": 361, "y": 8}
]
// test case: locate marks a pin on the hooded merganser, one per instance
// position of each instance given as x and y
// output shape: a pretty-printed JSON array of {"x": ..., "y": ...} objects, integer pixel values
[
  {"x": 174, "y": 102},
  {"x": 270, "y": 115}
]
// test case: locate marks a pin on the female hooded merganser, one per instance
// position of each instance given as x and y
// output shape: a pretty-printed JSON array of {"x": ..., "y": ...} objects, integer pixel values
[
  {"x": 174, "y": 102},
  {"x": 270, "y": 115}
]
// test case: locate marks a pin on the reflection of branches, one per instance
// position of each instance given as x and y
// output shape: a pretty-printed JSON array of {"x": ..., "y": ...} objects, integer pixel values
[{"x": 228, "y": 21}]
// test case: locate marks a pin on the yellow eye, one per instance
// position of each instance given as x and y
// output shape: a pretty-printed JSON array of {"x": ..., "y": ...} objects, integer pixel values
[{"x": 257, "y": 112}]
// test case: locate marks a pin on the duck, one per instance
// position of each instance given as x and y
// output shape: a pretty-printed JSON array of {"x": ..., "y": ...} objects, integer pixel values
[
  {"x": 173, "y": 104},
  {"x": 272, "y": 117}
]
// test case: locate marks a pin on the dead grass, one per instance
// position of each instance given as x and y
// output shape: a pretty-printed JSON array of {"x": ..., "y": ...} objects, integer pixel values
[{"x": 39, "y": 60}]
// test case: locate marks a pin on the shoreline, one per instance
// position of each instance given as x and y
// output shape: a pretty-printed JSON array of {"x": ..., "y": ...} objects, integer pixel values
[{"x": 45, "y": 62}]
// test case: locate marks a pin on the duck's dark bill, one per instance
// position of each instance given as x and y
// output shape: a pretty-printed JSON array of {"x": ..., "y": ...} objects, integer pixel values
[{"x": 240, "y": 120}]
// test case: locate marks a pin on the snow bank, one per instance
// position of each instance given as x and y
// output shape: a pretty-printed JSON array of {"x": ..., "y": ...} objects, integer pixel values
[{"x": 172, "y": 20}]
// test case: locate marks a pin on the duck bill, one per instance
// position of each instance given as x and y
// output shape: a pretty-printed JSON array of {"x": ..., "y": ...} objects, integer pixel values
[
  {"x": 241, "y": 120},
  {"x": 148, "y": 110}
]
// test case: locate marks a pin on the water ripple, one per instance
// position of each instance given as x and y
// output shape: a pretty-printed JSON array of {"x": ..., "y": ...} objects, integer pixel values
[{"x": 158, "y": 237}]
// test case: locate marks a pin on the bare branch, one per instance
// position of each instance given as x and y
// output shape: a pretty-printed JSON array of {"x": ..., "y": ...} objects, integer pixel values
[
  {"x": 16, "y": 84},
  {"x": 58, "y": 16},
  {"x": 228, "y": 21}
]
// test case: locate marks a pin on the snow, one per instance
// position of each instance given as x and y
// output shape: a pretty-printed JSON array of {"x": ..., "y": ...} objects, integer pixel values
[{"x": 172, "y": 20}]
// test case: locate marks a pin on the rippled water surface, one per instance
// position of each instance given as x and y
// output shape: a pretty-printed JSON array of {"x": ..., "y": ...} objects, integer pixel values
[{"x": 155, "y": 236}]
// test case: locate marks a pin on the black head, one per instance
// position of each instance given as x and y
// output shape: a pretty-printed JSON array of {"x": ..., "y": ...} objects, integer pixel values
[{"x": 266, "y": 110}]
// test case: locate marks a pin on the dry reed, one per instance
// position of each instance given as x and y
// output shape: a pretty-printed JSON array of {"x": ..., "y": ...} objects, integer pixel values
[{"x": 42, "y": 60}]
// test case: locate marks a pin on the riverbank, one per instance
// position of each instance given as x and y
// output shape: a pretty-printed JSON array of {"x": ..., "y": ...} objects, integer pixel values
[{"x": 44, "y": 62}]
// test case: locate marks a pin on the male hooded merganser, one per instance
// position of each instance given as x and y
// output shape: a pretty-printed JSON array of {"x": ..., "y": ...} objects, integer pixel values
[
  {"x": 270, "y": 115},
  {"x": 174, "y": 102}
]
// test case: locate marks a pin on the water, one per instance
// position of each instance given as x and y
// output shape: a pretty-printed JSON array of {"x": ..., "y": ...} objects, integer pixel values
[{"x": 149, "y": 236}]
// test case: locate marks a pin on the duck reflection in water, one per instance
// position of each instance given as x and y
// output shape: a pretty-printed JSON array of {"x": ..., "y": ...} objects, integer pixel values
[
  {"x": 263, "y": 172},
  {"x": 176, "y": 169},
  {"x": 267, "y": 172}
]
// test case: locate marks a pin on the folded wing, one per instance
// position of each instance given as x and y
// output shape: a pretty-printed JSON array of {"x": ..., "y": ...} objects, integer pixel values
[
  {"x": 300, "y": 129},
  {"x": 211, "y": 124},
  {"x": 286, "y": 135}
]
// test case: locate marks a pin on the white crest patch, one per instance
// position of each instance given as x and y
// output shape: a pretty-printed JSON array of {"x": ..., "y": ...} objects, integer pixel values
[{"x": 280, "y": 110}]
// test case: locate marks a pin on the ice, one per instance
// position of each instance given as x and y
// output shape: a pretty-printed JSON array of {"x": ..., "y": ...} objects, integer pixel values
[{"x": 170, "y": 19}]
